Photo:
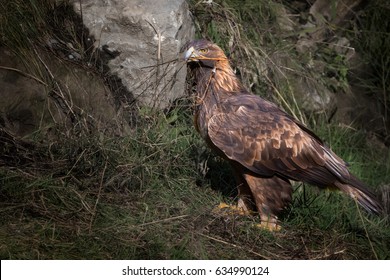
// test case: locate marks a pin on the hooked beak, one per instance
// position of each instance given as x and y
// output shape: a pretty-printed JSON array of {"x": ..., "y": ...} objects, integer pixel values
[{"x": 190, "y": 55}]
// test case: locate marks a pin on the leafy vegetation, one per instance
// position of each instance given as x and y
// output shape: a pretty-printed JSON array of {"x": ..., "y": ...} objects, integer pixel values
[{"x": 151, "y": 194}]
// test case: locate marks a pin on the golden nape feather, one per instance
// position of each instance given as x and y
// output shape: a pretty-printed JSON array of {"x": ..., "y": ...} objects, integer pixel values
[{"x": 265, "y": 146}]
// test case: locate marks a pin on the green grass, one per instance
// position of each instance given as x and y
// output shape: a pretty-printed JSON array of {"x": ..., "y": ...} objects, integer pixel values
[
  {"x": 151, "y": 194},
  {"x": 141, "y": 196}
]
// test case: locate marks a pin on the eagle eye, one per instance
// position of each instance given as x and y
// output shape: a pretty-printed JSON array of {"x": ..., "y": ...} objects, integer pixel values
[{"x": 203, "y": 51}]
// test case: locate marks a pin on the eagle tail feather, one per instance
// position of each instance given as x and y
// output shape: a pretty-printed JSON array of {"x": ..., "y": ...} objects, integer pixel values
[{"x": 364, "y": 196}]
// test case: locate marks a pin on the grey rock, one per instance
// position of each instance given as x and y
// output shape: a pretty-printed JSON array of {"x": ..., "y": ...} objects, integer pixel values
[
  {"x": 315, "y": 97},
  {"x": 283, "y": 19},
  {"x": 309, "y": 90},
  {"x": 342, "y": 46},
  {"x": 145, "y": 37}
]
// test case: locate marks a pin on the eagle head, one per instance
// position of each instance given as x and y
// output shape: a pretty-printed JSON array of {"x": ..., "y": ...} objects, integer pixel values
[{"x": 203, "y": 51}]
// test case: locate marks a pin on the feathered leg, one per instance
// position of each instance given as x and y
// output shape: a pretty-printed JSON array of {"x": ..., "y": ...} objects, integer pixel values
[
  {"x": 271, "y": 196},
  {"x": 245, "y": 204},
  {"x": 246, "y": 201}
]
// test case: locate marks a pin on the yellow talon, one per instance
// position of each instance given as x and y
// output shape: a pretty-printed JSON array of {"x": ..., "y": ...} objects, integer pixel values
[
  {"x": 267, "y": 223},
  {"x": 231, "y": 209},
  {"x": 269, "y": 226},
  {"x": 222, "y": 205}
]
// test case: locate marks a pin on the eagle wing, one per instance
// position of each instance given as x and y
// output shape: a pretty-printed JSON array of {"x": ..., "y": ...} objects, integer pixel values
[{"x": 267, "y": 141}]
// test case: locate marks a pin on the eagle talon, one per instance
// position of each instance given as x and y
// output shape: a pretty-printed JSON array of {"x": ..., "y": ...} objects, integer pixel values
[
  {"x": 270, "y": 226},
  {"x": 231, "y": 209}
]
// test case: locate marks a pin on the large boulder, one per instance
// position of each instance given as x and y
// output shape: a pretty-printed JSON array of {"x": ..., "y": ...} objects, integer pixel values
[{"x": 143, "y": 38}]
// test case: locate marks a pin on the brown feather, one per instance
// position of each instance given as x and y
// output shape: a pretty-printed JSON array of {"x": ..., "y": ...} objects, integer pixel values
[{"x": 264, "y": 145}]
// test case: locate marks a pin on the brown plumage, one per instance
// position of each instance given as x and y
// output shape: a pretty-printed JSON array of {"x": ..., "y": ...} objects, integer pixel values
[{"x": 265, "y": 146}]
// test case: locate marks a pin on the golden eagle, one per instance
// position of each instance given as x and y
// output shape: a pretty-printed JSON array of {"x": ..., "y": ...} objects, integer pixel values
[{"x": 265, "y": 146}]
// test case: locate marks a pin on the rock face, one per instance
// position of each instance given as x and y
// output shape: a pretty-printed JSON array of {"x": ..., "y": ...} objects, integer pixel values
[
  {"x": 321, "y": 46},
  {"x": 143, "y": 38},
  {"x": 72, "y": 98}
]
